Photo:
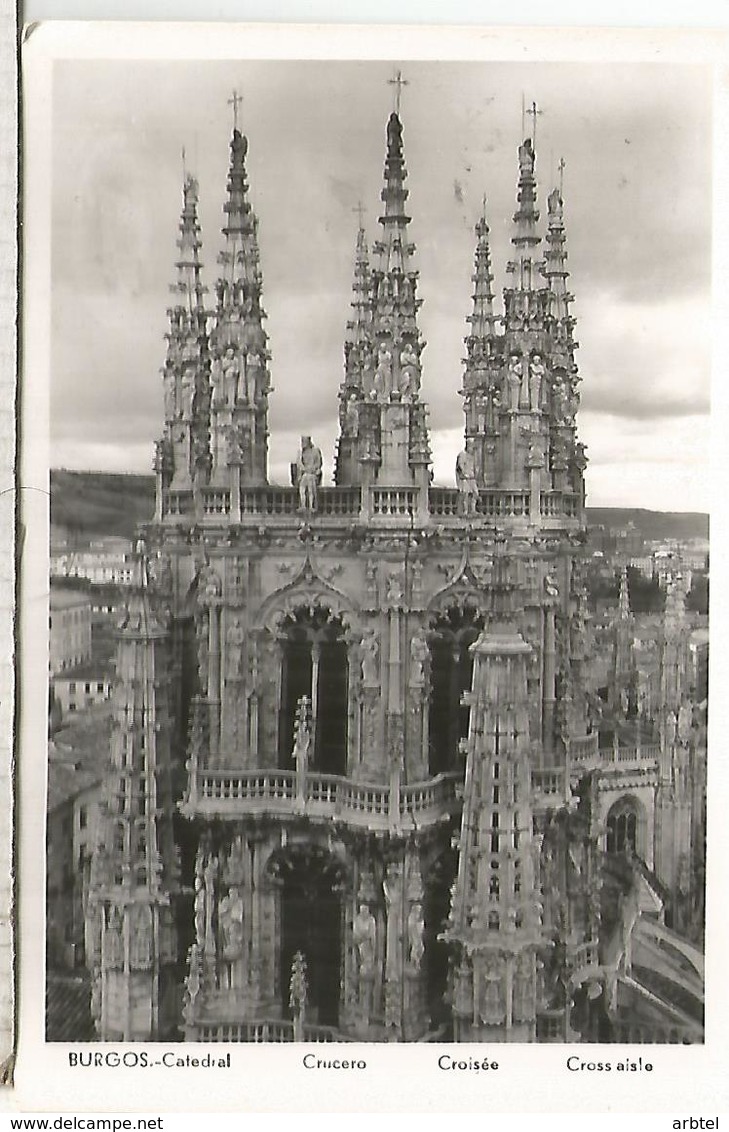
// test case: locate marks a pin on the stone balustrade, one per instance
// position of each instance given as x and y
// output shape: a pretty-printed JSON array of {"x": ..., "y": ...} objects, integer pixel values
[
  {"x": 444, "y": 503},
  {"x": 323, "y": 797},
  {"x": 583, "y": 748},
  {"x": 263, "y": 1030}
]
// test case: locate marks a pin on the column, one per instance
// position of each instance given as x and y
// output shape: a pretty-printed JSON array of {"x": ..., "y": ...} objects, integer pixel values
[
  {"x": 315, "y": 660},
  {"x": 548, "y": 694}
]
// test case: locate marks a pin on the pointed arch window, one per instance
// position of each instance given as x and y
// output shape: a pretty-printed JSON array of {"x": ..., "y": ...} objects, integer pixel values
[
  {"x": 315, "y": 664},
  {"x": 622, "y": 827}
]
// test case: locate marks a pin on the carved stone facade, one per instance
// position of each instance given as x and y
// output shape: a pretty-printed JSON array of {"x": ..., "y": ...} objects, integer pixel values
[{"x": 337, "y": 876}]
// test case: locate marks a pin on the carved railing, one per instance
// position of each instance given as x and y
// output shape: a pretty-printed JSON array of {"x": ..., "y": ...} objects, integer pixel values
[
  {"x": 634, "y": 756},
  {"x": 178, "y": 503},
  {"x": 263, "y": 1030},
  {"x": 559, "y": 505},
  {"x": 322, "y": 796},
  {"x": 445, "y": 502},
  {"x": 269, "y": 501},
  {"x": 583, "y": 748},
  {"x": 582, "y": 958},
  {"x": 549, "y": 782},
  {"x": 393, "y": 501},
  {"x": 216, "y": 501}
]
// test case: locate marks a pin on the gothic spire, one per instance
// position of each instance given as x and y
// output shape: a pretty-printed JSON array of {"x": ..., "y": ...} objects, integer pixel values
[
  {"x": 624, "y": 601},
  {"x": 130, "y": 929},
  {"x": 526, "y": 238},
  {"x": 356, "y": 340},
  {"x": 394, "y": 280},
  {"x": 555, "y": 268},
  {"x": 186, "y": 371},
  {"x": 240, "y": 380},
  {"x": 482, "y": 318}
]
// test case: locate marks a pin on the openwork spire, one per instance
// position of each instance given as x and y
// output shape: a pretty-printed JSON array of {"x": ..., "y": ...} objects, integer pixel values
[
  {"x": 184, "y": 455},
  {"x": 526, "y": 238},
  {"x": 358, "y": 326},
  {"x": 555, "y": 270},
  {"x": 240, "y": 379}
]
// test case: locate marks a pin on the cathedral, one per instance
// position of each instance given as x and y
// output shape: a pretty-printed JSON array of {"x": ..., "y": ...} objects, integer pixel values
[{"x": 357, "y": 787}]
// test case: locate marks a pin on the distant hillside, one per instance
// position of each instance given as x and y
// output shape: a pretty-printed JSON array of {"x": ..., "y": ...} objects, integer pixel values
[
  {"x": 99, "y": 503},
  {"x": 652, "y": 524}
]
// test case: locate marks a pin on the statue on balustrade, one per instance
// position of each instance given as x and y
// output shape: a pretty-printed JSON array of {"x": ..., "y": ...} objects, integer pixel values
[
  {"x": 309, "y": 474},
  {"x": 466, "y": 480}
]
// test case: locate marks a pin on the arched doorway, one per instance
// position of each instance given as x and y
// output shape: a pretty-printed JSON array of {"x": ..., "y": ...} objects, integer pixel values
[
  {"x": 311, "y": 882},
  {"x": 314, "y": 663},
  {"x": 623, "y": 824},
  {"x": 452, "y": 634}
]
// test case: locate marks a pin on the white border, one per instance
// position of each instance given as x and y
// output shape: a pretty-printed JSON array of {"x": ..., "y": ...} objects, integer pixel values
[{"x": 532, "y": 1078}]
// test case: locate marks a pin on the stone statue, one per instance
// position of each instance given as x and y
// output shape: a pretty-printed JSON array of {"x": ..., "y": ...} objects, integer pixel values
[
  {"x": 216, "y": 381},
  {"x": 234, "y": 639},
  {"x": 302, "y": 738},
  {"x": 370, "y": 648},
  {"x": 201, "y": 632},
  {"x": 466, "y": 480},
  {"x": 394, "y": 133},
  {"x": 395, "y": 592},
  {"x": 141, "y": 944},
  {"x": 408, "y": 370},
  {"x": 419, "y": 659},
  {"x": 416, "y": 932},
  {"x": 231, "y": 374},
  {"x": 514, "y": 375},
  {"x": 383, "y": 373},
  {"x": 351, "y": 415},
  {"x": 526, "y": 158},
  {"x": 169, "y": 396},
  {"x": 537, "y": 373},
  {"x": 309, "y": 473},
  {"x": 252, "y": 366},
  {"x": 685, "y": 722},
  {"x": 392, "y": 889},
  {"x": 230, "y": 921},
  {"x": 364, "y": 935}
]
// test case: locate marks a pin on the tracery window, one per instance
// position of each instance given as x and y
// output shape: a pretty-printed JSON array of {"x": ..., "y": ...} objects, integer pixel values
[
  {"x": 622, "y": 827},
  {"x": 452, "y": 634},
  {"x": 314, "y": 663}
]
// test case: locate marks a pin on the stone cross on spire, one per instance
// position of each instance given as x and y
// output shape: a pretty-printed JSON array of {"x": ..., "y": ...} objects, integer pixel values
[
  {"x": 399, "y": 82},
  {"x": 360, "y": 210},
  {"x": 533, "y": 113},
  {"x": 235, "y": 102}
]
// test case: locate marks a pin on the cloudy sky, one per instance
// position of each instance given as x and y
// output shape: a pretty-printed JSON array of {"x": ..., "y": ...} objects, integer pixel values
[{"x": 636, "y": 139}]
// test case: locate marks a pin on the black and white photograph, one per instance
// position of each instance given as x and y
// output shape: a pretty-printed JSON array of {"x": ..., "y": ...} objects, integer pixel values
[{"x": 378, "y": 632}]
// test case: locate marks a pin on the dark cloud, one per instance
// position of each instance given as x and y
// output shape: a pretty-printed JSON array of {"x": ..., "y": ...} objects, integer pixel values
[{"x": 638, "y": 222}]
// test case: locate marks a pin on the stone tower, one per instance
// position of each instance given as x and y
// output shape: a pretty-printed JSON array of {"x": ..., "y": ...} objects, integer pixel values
[
  {"x": 495, "y": 922},
  {"x": 333, "y": 650},
  {"x": 131, "y": 931}
]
